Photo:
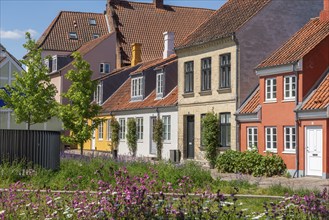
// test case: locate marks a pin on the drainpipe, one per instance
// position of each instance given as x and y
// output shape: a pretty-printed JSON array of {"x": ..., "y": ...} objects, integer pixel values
[
  {"x": 296, "y": 121},
  {"x": 237, "y": 127}
]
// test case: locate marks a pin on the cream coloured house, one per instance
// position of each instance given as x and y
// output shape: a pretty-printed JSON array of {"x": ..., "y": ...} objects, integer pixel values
[{"x": 216, "y": 61}]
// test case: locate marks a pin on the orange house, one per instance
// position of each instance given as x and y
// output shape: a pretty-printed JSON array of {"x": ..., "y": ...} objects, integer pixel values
[{"x": 277, "y": 116}]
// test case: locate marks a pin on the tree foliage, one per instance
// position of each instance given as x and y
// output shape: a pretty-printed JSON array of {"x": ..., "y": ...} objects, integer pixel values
[
  {"x": 115, "y": 127},
  {"x": 132, "y": 136},
  {"x": 210, "y": 134},
  {"x": 158, "y": 136},
  {"x": 31, "y": 95},
  {"x": 80, "y": 110}
]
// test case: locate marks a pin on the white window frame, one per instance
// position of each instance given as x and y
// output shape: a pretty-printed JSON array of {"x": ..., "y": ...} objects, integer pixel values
[
  {"x": 272, "y": 140},
  {"x": 289, "y": 138},
  {"x": 100, "y": 131},
  {"x": 104, "y": 68},
  {"x": 270, "y": 89},
  {"x": 254, "y": 138},
  {"x": 98, "y": 95},
  {"x": 95, "y": 36},
  {"x": 137, "y": 88},
  {"x": 92, "y": 21},
  {"x": 122, "y": 130},
  {"x": 159, "y": 84},
  {"x": 291, "y": 87},
  {"x": 109, "y": 130},
  {"x": 54, "y": 63},
  {"x": 140, "y": 128},
  {"x": 166, "y": 127}
]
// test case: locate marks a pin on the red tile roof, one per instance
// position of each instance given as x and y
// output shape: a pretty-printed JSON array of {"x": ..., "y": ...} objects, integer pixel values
[
  {"x": 251, "y": 104},
  {"x": 56, "y": 36},
  {"x": 299, "y": 44},
  {"x": 319, "y": 98},
  {"x": 225, "y": 21},
  {"x": 121, "y": 100},
  {"x": 143, "y": 23},
  {"x": 157, "y": 62}
]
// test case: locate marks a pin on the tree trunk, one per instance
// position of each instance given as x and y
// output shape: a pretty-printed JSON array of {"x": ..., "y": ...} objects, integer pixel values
[{"x": 81, "y": 148}]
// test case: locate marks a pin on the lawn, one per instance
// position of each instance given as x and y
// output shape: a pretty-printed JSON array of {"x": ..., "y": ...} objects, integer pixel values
[{"x": 141, "y": 189}]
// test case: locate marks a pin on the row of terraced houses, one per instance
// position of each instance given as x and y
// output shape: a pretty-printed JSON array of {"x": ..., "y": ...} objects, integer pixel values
[{"x": 261, "y": 65}]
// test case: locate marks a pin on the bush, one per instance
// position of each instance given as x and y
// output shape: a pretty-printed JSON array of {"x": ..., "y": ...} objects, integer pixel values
[
  {"x": 210, "y": 133},
  {"x": 250, "y": 162}
]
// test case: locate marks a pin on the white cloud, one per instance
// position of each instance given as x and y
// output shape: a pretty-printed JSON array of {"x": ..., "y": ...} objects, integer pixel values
[{"x": 16, "y": 34}]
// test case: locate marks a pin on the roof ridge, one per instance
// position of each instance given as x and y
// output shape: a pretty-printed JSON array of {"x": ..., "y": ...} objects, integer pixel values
[{"x": 82, "y": 12}]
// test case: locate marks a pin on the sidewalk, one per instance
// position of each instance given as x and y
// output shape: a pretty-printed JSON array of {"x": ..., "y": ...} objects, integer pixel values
[{"x": 310, "y": 183}]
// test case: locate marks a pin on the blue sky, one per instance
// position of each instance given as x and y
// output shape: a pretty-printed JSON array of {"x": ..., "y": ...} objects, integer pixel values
[{"x": 19, "y": 16}]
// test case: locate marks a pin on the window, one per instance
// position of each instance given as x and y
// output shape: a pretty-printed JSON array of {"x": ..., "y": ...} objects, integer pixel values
[
  {"x": 189, "y": 72},
  {"x": 54, "y": 66},
  {"x": 98, "y": 95},
  {"x": 202, "y": 142},
  {"x": 160, "y": 84},
  {"x": 225, "y": 130},
  {"x": 73, "y": 35},
  {"x": 225, "y": 71},
  {"x": 271, "y": 138},
  {"x": 206, "y": 74},
  {"x": 109, "y": 130},
  {"x": 100, "y": 131},
  {"x": 95, "y": 36},
  {"x": 140, "y": 128},
  {"x": 289, "y": 138},
  {"x": 137, "y": 87},
  {"x": 289, "y": 87},
  {"x": 48, "y": 64},
  {"x": 122, "y": 132},
  {"x": 104, "y": 68},
  {"x": 270, "y": 89},
  {"x": 252, "y": 138},
  {"x": 92, "y": 21},
  {"x": 166, "y": 128}
]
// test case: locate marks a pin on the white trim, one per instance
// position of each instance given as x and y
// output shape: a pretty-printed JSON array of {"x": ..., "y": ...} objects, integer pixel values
[
  {"x": 291, "y": 142},
  {"x": 268, "y": 71},
  {"x": 313, "y": 114},
  {"x": 272, "y": 148},
  {"x": 290, "y": 89},
  {"x": 253, "y": 135},
  {"x": 289, "y": 152},
  {"x": 271, "y": 89}
]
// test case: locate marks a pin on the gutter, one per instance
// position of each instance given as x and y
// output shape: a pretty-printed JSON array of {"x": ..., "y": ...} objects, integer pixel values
[{"x": 296, "y": 122}]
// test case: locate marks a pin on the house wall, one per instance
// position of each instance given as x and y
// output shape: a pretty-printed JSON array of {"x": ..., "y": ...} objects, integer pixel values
[
  {"x": 324, "y": 124},
  {"x": 219, "y": 101},
  {"x": 143, "y": 146},
  {"x": 267, "y": 31}
]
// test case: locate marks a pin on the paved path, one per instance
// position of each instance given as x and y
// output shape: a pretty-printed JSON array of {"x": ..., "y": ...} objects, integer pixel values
[{"x": 310, "y": 183}]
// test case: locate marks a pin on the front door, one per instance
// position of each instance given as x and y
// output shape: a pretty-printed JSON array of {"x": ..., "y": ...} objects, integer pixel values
[
  {"x": 93, "y": 141},
  {"x": 153, "y": 146},
  {"x": 313, "y": 151},
  {"x": 190, "y": 136}
]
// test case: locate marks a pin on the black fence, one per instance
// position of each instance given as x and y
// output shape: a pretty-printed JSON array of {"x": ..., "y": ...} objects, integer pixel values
[{"x": 38, "y": 147}]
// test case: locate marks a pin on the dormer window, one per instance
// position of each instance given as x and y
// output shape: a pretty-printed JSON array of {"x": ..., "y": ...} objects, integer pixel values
[
  {"x": 98, "y": 95},
  {"x": 137, "y": 88},
  {"x": 92, "y": 21},
  {"x": 73, "y": 35},
  {"x": 95, "y": 36},
  {"x": 54, "y": 66},
  {"x": 104, "y": 68},
  {"x": 159, "y": 84}
]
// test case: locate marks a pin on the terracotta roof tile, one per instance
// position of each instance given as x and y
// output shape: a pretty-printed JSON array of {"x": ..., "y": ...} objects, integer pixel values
[
  {"x": 319, "y": 98},
  {"x": 157, "y": 62},
  {"x": 225, "y": 21},
  {"x": 56, "y": 36},
  {"x": 120, "y": 100},
  {"x": 144, "y": 23},
  {"x": 299, "y": 44},
  {"x": 251, "y": 104}
]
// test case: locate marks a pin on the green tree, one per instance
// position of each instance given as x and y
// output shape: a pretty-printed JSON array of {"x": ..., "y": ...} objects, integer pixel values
[
  {"x": 158, "y": 137},
  {"x": 132, "y": 136},
  {"x": 31, "y": 95},
  {"x": 80, "y": 110},
  {"x": 115, "y": 127},
  {"x": 210, "y": 134}
]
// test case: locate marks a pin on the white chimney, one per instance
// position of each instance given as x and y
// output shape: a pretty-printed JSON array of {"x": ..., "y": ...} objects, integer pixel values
[{"x": 169, "y": 44}]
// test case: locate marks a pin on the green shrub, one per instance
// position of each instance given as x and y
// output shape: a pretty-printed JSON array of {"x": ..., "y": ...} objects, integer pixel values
[
  {"x": 210, "y": 134},
  {"x": 250, "y": 162}
]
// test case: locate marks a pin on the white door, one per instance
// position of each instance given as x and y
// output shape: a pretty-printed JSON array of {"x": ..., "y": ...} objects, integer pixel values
[
  {"x": 93, "y": 141},
  {"x": 153, "y": 147},
  {"x": 313, "y": 151}
]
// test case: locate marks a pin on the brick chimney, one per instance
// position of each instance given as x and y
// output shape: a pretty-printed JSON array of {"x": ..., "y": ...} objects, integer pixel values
[
  {"x": 169, "y": 44},
  {"x": 136, "y": 56},
  {"x": 324, "y": 15},
  {"x": 158, "y": 3}
]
